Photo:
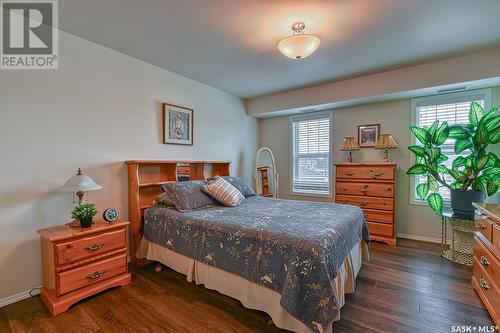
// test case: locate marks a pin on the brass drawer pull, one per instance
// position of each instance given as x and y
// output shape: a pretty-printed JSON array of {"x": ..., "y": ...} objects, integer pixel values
[
  {"x": 96, "y": 275},
  {"x": 364, "y": 189},
  {"x": 481, "y": 226},
  {"x": 350, "y": 173},
  {"x": 484, "y": 261},
  {"x": 94, "y": 247},
  {"x": 363, "y": 203},
  {"x": 484, "y": 284},
  {"x": 378, "y": 174}
]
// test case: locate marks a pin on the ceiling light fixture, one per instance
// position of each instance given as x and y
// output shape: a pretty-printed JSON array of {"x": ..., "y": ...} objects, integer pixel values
[{"x": 299, "y": 45}]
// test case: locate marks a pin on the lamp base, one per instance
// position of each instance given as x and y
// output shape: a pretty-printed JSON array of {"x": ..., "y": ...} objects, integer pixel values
[
  {"x": 386, "y": 155},
  {"x": 349, "y": 159}
]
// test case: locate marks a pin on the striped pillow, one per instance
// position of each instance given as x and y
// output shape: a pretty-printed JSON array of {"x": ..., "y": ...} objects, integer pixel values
[{"x": 223, "y": 192}]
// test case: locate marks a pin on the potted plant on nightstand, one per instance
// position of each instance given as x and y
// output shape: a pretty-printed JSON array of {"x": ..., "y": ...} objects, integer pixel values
[
  {"x": 472, "y": 175},
  {"x": 84, "y": 212}
]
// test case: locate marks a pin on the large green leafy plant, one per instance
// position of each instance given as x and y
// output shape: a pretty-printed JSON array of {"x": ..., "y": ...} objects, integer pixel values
[{"x": 479, "y": 170}]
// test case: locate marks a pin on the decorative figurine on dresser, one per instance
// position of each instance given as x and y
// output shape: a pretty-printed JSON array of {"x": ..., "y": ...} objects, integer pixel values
[
  {"x": 370, "y": 186},
  {"x": 486, "y": 270}
]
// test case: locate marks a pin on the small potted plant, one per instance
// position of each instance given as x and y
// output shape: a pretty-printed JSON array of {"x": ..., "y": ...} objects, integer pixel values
[
  {"x": 84, "y": 212},
  {"x": 473, "y": 175}
]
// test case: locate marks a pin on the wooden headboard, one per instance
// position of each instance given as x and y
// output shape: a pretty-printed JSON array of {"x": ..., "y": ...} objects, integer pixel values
[{"x": 145, "y": 178}]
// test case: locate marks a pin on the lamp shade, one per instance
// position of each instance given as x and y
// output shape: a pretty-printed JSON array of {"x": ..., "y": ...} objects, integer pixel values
[
  {"x": 349, "y": 144},
  {"x": 386, "y": 141},
  {"x": 80, "y": 182},
  {"x": 299, "y": 45}
]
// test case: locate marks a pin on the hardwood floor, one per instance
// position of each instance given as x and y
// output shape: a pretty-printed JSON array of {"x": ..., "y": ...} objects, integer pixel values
[{"x": 408, "y": 288}]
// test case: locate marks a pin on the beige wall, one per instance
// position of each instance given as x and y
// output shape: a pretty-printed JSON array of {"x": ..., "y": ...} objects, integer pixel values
[
  {"x": 394, "y": 117},
  {"x": 99, "y": 109}
]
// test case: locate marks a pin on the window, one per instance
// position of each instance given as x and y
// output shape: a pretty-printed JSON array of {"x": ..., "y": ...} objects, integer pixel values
[
  {"x": 310, "y": 136},
  {"x": 453, "y": 108}
]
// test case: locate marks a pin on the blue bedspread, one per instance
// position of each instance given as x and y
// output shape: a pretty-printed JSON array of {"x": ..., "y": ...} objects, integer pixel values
[{"x": 293, "y": 247}]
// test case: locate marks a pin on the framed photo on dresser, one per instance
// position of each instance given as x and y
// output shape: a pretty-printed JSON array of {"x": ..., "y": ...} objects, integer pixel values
[
  {"x": 368, "y": 135},
  {"x": 177, "y": 125}
]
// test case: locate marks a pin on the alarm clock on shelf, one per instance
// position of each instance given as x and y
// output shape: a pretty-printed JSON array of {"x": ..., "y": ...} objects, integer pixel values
[{"x": 110, "y": 215}]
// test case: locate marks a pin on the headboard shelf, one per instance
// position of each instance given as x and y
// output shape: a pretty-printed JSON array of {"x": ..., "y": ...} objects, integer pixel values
[{"x": 145, "y": 178}]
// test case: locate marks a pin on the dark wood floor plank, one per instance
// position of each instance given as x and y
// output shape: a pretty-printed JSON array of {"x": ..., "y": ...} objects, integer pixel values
[{"x": 407, "y": 288}]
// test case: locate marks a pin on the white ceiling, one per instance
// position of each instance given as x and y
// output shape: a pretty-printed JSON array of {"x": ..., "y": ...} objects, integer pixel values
[{"x": 231, "y": 44}]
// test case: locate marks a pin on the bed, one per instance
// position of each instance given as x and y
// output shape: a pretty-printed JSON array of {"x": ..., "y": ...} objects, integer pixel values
[{"x": 294, "y": 260}]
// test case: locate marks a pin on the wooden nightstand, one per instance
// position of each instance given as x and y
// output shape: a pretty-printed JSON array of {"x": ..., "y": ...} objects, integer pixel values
[{"x": 80, "y": 262}]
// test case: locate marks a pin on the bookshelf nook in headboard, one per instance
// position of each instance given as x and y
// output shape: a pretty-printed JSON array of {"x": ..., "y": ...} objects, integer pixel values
[{"x": 145, "y": 178}]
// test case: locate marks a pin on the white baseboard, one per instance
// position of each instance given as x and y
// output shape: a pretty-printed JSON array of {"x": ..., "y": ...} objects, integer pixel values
[
  {"x": 19, "y": 297},
  {"x": 420, "y": 238}
]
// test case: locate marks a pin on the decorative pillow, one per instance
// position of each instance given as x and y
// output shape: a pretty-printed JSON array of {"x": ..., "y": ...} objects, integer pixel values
[
  {"x": 222, "y": 191},
  {"x": 164, "y": 199},
  {"x": 188, "y": 195},
  {"x": 240, "y": 184}
]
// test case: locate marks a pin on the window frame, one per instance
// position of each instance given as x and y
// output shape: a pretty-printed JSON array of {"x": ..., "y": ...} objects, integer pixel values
[
  {"x": 438, "y": 98},
  {"x": 312, "y": 116}
]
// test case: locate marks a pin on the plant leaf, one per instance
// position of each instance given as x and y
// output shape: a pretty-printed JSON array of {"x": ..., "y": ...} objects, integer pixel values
[
  {"x": 458, "y": 162},
  {"x": 457, "y": 132},
  {"x": 456, "y": 185},
  {"x": 461, "y": 145},
  {"x": 443, "y": 169},
  {"x": 441, "y": 134},
  {"x": 492, "y": 122},
  {"x": 419, "y": 160},
  {"x": 433, "y": 184},
  {"x": 433, "y": 154},
  {"x": 442, "y": 158},
  {"x": 417, "y": 150},
  {"x": 491, "y": 188},
  {"x": 432, "y": 130},
  {"x": 435, "y": 201},
  {"x": 489, "y": 114},
  {"x": 480, "y": 162},
  {"x": 422, "y": 190},
  {"x": 458, "y": 175},
  {"x": 421, "y": 134},
  {"x": 476, "y": 113},
  {"x": 481, "y": 136},
  {"x": 495, "y": 135},
  {"x": 417, "y": 169}
]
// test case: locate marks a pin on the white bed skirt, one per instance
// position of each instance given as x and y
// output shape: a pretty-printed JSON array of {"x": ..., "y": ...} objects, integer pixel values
[{"x": 252, "y": 295}]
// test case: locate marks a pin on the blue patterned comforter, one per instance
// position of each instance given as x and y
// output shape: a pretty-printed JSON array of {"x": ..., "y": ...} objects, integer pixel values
[{"x": 293, "y": 247}]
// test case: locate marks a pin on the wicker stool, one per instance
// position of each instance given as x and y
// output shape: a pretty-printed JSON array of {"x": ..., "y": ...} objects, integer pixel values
[{"x": 457, "y": 238}]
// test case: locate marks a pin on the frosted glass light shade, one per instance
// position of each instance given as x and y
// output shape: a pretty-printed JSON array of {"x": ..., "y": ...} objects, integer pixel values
[
  {"x": 80, "y": 182},
  {"x": 299, "y": 46}
]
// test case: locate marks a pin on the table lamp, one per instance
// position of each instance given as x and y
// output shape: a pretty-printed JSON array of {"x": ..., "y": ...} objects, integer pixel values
[
  {"x": 80, "y": 184},
  {"x": 349, "y": 144},
  {"x": 386, "y": 142}
]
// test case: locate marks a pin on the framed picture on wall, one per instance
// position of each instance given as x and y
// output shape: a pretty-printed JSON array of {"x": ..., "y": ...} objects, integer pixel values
[
  {"x": 177, "y": 125},
  {"x": 368, "y": 135}
]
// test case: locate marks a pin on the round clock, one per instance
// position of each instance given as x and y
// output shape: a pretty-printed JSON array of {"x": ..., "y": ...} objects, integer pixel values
[{"x": 111, "y": 214}]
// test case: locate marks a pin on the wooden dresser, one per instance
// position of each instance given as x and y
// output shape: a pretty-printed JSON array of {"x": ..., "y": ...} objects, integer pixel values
[
  {"x": 486, "y": 270},
  {"x": 370, "y": 186},
  {"x": 80, "y": 262}
]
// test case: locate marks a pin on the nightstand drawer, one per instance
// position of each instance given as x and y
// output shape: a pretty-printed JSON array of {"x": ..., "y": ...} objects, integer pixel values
[
  {"x": 92, "y": 273},
  {"x": 381, "y": 172},
  {"x": 82, "y": 248},
  {"x": 486, "y": 259}
]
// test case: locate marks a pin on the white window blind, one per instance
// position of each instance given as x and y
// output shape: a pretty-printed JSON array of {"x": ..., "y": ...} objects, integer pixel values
[
  {"x": 454, "y": 110},
  {"x": 310, "y": 137}
]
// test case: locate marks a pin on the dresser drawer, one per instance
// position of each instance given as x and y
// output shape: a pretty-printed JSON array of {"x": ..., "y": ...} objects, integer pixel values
[
  {"x": 381, "y": 229},
  {"x": 82, "y": 248},
  {"x": 92, "y": 273},
  {"x": 383, "y": 172},
  {"x": 495, "y": 239},
  {"x": 378, "y": 216},
  {"x": 366, "y": 202},
  {"x": 484, "y": 257},
  {"x": 486, "y": 285},
  {"x": 485, "y": 226},
  {"x": 373, "y": 189}
]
